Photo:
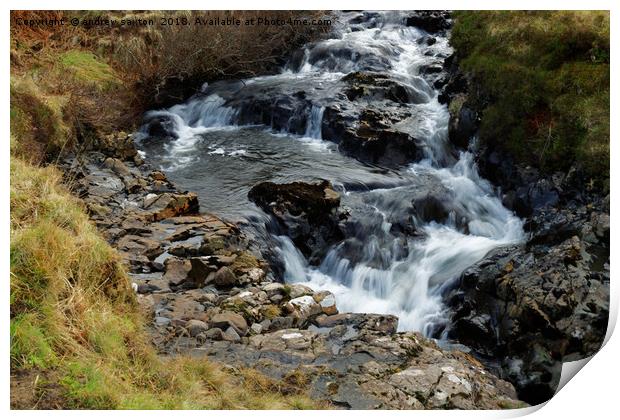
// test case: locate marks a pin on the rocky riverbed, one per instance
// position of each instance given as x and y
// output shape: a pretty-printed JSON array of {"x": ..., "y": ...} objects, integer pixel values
[{"x": 208, "y": 295}]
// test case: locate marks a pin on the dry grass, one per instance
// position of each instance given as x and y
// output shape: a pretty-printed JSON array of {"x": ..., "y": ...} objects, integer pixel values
[
  {"x": 107, "y": 77},
  {"x": 176, "y": 60}
]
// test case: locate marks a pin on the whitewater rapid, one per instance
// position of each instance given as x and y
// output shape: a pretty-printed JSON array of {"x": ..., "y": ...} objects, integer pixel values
[{"x": 388, "y": 273}]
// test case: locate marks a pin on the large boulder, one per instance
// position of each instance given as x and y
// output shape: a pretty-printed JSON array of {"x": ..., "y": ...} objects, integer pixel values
[
  {"x": 369, "y": 134},
  {"x": 533, "y": 308},
  {"x": 378, "y": 86},
  {"x": 307, "y": 213}
]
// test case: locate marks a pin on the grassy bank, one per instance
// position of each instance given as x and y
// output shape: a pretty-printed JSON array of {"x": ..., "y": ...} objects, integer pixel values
[
  {"x": 78, "y": 336},
  {"x": 542, "y": 81}
]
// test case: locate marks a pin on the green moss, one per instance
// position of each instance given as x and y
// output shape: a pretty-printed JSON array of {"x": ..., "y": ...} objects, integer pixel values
[
  {"x": 212, "y": 244},
  {"x": 286, "y": 292},
  {"x": 542, "y": 80},
  {"x": 88, "y": 68},
  {"x": 244, "y": 261},
  {"x": 240, "y": 307},
  {"x": 271, "y": 311}
]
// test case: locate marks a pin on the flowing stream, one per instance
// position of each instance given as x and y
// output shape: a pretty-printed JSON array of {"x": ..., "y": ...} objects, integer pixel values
[{"x": 391, "y": 261}]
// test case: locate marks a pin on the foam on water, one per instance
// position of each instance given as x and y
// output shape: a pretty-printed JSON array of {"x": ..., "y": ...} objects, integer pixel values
[{"x": 388, "y": 274}]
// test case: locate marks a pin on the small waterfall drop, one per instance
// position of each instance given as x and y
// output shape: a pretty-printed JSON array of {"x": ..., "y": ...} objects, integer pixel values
[{"x": 315, "y": 121}]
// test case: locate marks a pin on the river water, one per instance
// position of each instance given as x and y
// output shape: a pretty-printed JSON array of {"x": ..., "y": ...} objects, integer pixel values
[{"x": 383, "y": 265}]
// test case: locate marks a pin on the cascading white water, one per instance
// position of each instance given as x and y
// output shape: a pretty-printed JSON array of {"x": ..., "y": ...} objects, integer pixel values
[
  {"x": 189, "y": 121},
  {"x": 388, "y": 272},
  {"x": 313, "y": 128},
  {"x": 410, "y": 285}
]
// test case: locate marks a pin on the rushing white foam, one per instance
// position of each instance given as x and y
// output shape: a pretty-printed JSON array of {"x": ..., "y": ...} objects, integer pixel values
[
  {"x": 409, "y": 283},
  {"x": 388, "y": 274},
  {"x": 411, "y": 287},
  {"x": 315, "y": 121}
]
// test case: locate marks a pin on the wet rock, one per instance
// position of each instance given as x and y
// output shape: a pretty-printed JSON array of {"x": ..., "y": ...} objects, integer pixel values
[
  {"x": 543, "y": 195},
  {"x": 431, "y": 203},
  {"x": 370, "y": 134},
  {"x": 541, "y": 306},
  {"x": 463, "y": 123},
  {"x": 377, "y": 86},
  {"x": 432, "y": 21},
  {"x": 427, "y": 40},
  {"x": 308, "y": 213}
]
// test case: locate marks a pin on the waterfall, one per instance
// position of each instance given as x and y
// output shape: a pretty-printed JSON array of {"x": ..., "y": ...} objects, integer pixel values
[
  {"x": 315, "y": 121},
  {"x": 377, "y": 268}
]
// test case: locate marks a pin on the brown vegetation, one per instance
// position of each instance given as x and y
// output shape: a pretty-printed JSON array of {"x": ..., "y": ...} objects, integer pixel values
[
  {"x": 103, "y": 78},
  {"x": 78, "y": 338}
]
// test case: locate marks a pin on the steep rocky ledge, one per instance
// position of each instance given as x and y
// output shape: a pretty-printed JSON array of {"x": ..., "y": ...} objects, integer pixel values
[
  {"x": 534, "y": 306},
  {"x": 208, "y": 295},
  {"x": 309, "y": 214}
]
